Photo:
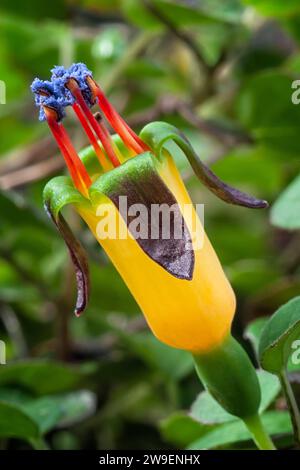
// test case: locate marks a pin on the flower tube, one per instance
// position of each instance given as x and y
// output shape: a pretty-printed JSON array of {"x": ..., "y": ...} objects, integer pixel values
[{"x": 177, "y": 281}]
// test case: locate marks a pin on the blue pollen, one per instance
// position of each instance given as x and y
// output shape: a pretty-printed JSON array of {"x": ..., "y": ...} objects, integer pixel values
[
  {"x": 44, "y": 85},
  {"x": 53, "y": 103},
  {"x": 58, "y": 95},
  {"x": 39, "y": 86},
  {"x": 79, "y": 72},
  {"x": 49, "y": 99},
  {"x": 58, "y": 71}
]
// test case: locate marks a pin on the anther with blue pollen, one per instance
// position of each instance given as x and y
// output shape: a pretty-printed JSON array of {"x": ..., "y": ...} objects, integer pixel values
[{"x": 76, "y": 87}]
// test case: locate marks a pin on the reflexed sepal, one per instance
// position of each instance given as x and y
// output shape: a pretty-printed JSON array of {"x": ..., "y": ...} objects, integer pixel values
[
  {"x": 58, "y": 193},
  {"x": 138, "y": 180},
  {"x": 156, "y": 134}
]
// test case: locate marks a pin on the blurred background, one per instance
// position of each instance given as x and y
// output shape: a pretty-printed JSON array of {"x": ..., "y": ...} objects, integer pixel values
[{"x": 221, "y": 70}]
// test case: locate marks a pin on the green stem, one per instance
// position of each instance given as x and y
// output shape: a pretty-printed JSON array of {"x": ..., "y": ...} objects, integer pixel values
[
  {"x": 257, "y": 431},
  {"x": 291, "y": 403}
]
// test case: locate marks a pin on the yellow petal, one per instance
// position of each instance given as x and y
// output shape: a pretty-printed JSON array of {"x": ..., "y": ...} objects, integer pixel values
[{"x": 194, "y": 315}]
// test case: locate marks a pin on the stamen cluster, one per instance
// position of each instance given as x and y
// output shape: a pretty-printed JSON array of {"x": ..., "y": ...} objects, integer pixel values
[{"x": 75, "y": 87}]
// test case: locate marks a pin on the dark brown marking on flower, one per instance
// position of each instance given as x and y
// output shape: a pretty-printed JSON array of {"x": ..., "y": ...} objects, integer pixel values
[{"x": 172, "y": 249}]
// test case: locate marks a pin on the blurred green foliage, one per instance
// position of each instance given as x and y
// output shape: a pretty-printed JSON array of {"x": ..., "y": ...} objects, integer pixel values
[{"x": 103, "y": 380}]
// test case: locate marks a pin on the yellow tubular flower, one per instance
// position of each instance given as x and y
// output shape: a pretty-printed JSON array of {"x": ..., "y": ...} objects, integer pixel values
[
  {"x": 184, "y": 294},
  {"x": 195, "y": 314}
]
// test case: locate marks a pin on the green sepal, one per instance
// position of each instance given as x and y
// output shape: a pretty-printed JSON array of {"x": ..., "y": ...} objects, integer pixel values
[
  {"x": 58, "y": 193},
  {"x": 156, "y": 134},
  {"x": 229, "y": 376}
]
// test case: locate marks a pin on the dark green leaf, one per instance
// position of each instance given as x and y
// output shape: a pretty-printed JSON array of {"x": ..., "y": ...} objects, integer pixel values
[
  {"x": 44, "y": 411},
  {"x": 40, "y": 376},
  {"x": 51, "y": 411},
  {"x": 276, "y": 423},
  {"x": 16, "y": 423},
  {"x": 180, "y": 429},
  {"x": 173, "y": 363},
  {"x": 253, "y": 332},
  {"x": 274, "y": 123},
  {"x": 206, "y": 410},
  {"x": 36, "y": 9},
  {"x": 278, "y": 335}
]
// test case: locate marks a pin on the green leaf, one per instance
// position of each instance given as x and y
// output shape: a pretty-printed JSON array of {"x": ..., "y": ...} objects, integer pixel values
[
  {"x": 208, "y": 420},
  {"x": 136, "y": 13},
  {"x": 275, "y": 423},
  {"x": 14, "y": 395},
  {"x": 273, "y": 123},
  {"x": 249, "y": 275},
  {"x": 173, "y": 363},
  {"x": 180, "y": 429},
  {"x": 270, "y": 388},
  {"x": 44, "y": 411},
  {"x": 15, "y": 423},
  {"x": 247, "y": 166},
  {"x": 275, "y": 7},
  {"x": 178, "y": 13},
  {"x": 206, "y": 409},
  {"x": 230, "y": 10},
  {"x": 40, "y": 376},
  {"x": 36, "y": 9},
  {"x": 76, "y": 406},
  {"x": 51, "y": 411},
  {"x": 61, "y": 410},
  {"x": 278, "y": 335},
  {"x": 253, "y": 332},
  {"x": 18, "y": 211},
  {"x": 285, "y": 212}
]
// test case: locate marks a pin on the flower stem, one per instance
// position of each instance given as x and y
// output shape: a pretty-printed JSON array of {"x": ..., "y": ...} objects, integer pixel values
[
  {"x": 258, "y": 433},
  {"x": 292, "y": 404}
]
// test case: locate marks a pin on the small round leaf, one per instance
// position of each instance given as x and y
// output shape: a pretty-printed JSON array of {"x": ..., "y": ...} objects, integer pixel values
[{"x": 278, "y": 336}]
